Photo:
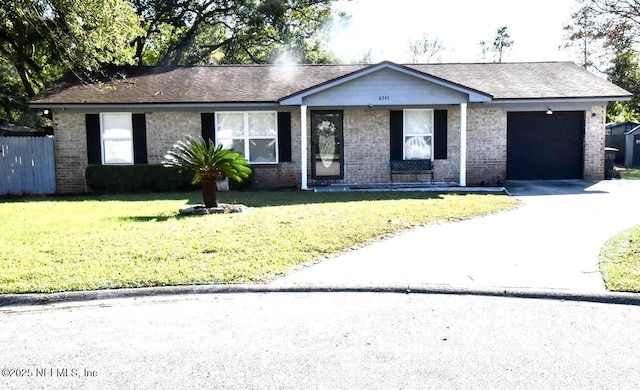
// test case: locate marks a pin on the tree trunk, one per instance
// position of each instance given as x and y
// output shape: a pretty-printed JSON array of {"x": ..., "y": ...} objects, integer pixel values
[
  {"x": 7, "y": 110},
  {"x": 24, "y": 77},
  {"x": 139, "y": 44},
  {"x": 209, "y": 192}
]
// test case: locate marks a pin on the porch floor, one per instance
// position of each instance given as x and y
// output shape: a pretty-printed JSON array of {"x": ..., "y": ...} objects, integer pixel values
[{"x": 436, "y": 187}]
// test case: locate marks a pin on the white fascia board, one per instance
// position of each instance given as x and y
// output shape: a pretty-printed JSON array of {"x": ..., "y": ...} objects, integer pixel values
[
  {"x": 545, "y": 104},
  {"x": 596, "y": 100},
  {"x": 154, "y": 107},
  {"x": 474, "y": 96}
]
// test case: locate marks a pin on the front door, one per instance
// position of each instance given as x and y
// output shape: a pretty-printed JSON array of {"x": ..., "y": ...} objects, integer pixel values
[{"x": 327, "y": 161}]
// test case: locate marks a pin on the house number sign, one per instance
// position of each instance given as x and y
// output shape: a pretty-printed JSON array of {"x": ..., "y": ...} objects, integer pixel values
[{"x": 383, "y": 97}]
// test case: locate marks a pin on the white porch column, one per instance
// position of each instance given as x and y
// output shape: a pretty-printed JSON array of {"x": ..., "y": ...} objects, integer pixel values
[
  {"x": 303, "y": 146},
  {"x": 463, "y": 144}
]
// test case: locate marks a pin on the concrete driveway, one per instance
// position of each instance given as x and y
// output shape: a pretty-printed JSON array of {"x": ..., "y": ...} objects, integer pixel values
[{"x": 551, "y": 242}]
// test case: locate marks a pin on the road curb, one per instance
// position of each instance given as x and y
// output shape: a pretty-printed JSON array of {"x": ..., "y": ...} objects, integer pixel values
[{"x": 97, "y": 295}]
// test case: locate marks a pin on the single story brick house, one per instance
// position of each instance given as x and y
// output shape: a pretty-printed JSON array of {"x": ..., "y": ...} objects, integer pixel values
[{"x": 306, "y": 125}]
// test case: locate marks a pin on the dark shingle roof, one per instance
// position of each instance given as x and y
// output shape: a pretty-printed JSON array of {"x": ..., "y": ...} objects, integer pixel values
[
  {"x": 269, "y": 83},
  {"x": 527, "y": 80},
  {"x": 196, "y": 84}
]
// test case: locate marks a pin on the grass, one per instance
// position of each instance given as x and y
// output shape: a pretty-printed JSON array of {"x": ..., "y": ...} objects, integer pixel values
[
  {"x": 85, "y": 243},
  {"x": 629, "y": 173},
  {"x": 620, "y": 261}
]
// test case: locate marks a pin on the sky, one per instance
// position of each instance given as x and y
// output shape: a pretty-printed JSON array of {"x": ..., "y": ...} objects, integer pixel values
[{"x": 386, "y": 26}]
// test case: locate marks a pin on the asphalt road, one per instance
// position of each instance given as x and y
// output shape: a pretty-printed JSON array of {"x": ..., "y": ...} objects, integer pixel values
[{"x": 321, "y": 341}]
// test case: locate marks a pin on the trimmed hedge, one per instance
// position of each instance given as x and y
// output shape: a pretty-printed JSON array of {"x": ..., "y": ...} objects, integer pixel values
[{"x": 126, "y": 179}]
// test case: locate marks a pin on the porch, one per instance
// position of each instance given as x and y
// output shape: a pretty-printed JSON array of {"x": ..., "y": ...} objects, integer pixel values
[
  {"x": 436, "y": 187},
  {"x": 373, "y": 142}
]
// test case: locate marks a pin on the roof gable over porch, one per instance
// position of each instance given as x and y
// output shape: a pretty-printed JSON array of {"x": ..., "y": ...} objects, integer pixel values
[{"x": 386, "y": 84}]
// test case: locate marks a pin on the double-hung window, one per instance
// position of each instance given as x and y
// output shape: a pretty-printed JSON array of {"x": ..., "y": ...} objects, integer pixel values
[
  {"x": 117, "y": 138},
  {"x": 418, "y": 134},
  {"x": 254, "y": 134}
]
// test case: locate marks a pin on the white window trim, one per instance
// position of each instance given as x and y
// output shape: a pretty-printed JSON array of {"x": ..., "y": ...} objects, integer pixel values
[
  {"x": 102, "y": 139},
  {"x": 246, "y": 137},
  {"x": 404, "y": 129}
]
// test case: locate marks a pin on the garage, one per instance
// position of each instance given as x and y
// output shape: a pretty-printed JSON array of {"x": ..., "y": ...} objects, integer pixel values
[{"x": 542, "y": 146}]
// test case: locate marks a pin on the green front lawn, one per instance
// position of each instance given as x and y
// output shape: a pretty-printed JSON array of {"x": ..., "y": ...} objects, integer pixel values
[
  {"x": 620, "y": 261},
  {"x": 84, "y": 243}
]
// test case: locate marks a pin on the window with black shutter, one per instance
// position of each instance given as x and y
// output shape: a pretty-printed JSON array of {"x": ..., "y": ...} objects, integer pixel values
[
  {"x": 440, "y": 134},
  {"x": 207, "y": 124},
  {"x": 116, "y": 138},
  {"x": 418, "y": 134},
  {"x": 284, "y": 136}
]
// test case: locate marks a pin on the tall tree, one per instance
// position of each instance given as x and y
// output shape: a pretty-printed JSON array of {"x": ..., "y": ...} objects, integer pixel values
[
  {"x": 12, "y": 96},
  {"x": 616, "y": 13},
  {"x": 606, "y": 32},
  {"x": 502, "y": 42},
  {"x": 625, "y": 72},
  {"x": 585, "y": 36},
  {"x": 42, "y": 39},
  {"x": 425, "y": 49},
  {"x": 45, "y": 38},
  {"x": 598, "y": 32},
  {"x": 224, "y": 31}
]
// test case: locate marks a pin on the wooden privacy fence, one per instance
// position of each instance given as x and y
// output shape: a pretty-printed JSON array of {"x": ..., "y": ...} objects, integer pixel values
[{"x": 27, "y": 166}]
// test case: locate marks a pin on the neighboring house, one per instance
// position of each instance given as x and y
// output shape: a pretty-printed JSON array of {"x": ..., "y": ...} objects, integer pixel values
[
  {"x": 8, "y": 129},
  {"x": 616, "y": 137},
  {"x": 631, "y": 151},
  {"x": 305, "y": 125}
]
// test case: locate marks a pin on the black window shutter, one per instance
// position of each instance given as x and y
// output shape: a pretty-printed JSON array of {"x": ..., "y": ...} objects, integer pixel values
[
  {"x": 139, "y": 138},
  {"x": 440, "y": 134},
  {"x": 284, "y": 136},
  {"x": 94, "y": 151},
  {"x": 208, "y": 126},
  {"x": 396, "y": 134}
]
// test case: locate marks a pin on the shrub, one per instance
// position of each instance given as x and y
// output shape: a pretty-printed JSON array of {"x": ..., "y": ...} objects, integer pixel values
[
  {"x": 125, "y": 179},
  {"x": 209, "y": 164}
]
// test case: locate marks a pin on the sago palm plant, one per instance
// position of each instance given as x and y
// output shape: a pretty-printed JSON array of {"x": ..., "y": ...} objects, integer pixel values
[{"x": 209, "y": 163}]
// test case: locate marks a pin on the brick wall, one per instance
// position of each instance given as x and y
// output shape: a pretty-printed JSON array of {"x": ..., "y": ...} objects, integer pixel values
[
  {"x": 366, "y": 142},
  {"x": 284, "y": 174},
  {"x": 594, "y": 143},
  {"x": 448, "y": 170},
  {"x": 165, "y": 128},
  {"x": 70, "y": 146},
  {"x": 366, "y": 146},
  {"x": 486, "y": 146}
]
